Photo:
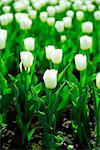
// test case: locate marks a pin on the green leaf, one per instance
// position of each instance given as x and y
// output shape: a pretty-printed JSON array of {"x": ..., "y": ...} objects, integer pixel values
[
  {"x": 1, "y": 119},
  {"x": 30, "y": 134}
]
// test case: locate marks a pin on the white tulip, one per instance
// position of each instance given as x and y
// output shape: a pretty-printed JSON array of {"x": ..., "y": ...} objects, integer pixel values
[
  {"x": 67, "y": 22},
  {"x": 98, "y": 80},
  {"x": 20, "y": 5},
  {"x": 80, "y": 62},
  {"x": 90, "y": 7},
  {"x": 97, "y": 15},
  {"x": 87, "y": 27},
  {"x": 57, "y": 56},
  {"x": 85, "y": 42},
  {"x": 50, "y": 78},
  {"x": 19, "y": 16},
  {"x": 25, "y": 23},
  {"x": 50, "y": 21},
  {"x": 63, "y": 38},
  {"x": 79, "y": 15},
  {"x": 5, "y": 19},
  {"x": 29, "y": 43},
  {"x": 43, "y": 16},
  {"x": 52, "y": 2},
  {"x": 6, "y": 9},
  {"x": 59, "y": 25},
  {"x": 70, "y": 13},
  {"x": 77, "y": 5},
  {"x": 51, "y": 10},
  {"x": 58, "y": 9},
  {"x": 32, "y": 14},
  {"x": 49, "y": 51},
  {"x": 3, "y": 38},
  {"x": 37, "y": 5},
  {"x": 26, "y": 59}
]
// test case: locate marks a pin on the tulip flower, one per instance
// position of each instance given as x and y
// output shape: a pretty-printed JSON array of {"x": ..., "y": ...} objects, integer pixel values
[
  {"x": 80, "y": 62},
  {"x": 26, "y": 59},
  {"x": 57, "y": 56},
  {"x": 59, "y": 25},
  {"x": 50, "y": 78},
  {"x": 85, "y": 42},
  {"x": 87, "y": 27},
  {"x": 49, "y": 51},
  {"x": 29, "y": 43},
  {"x": 3, "y": 37},
  {"x": 98, "y": 80}
]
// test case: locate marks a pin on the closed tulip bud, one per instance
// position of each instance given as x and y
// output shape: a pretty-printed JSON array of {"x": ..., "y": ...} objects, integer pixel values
[
  {"x": 70, "y": 13},
  {"x": 79, "y": 15},
  {"x": 98, "y": 80},
  {"x": 37, "y": 5},
  {"x": 97, "y": 15},
  {"x": 59, "y": 25},
  {"x": 50, "y": 78},
  {"x": 26, "y": 59},
  {"x": 20, "y": 5},
  {"x": 87, "y": 27},
  {"x": 49, "y": 51},
  {"x": 25, "y": 23},
  {"x": 85, "y": 42},
  {"x": 57, "y": 56},
  {"x": 19, "y": 16},
  {"x": 29, "y": 44},
  {"x": 5, "y": 19},
  {"x": 67, "y": 22},
  {"x": 32, "y": 14},
  {"x": 90, "y": 7},
  {"x": 3, "y": 37},
  {"x": 77, "y": 5},
  {"x": 63, "y": 38},
  {"x": 50, "y": 21},
  {"x": 6, "y": 9},
  {"x": 58, "y": 9},
  {"x": 51, "y": 10},
  {"x": 52, "y": 2},
  {"x": 84, "y": 8},
  {"x": 80, "y": 62},
  {"x": 43, "y": 16}
]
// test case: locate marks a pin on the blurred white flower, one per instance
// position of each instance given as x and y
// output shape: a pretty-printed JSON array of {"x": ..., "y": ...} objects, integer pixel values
[
  {"x": 87, "y": 27},
  {"x": 19, "y": 16},
  {"x": 50, "y": 21},
  {"x": 26, "y": 59},
  {"x": 70, "y": 13},
  {"x": 20, "y": 5},
  {"x": 3, "y": 38},
  {"x": 32, "y": 14},
  {"x": 29, "y": 44},
  {"x": 5, "y": 19},
  {"x": 59, "y": 25},
  {"x": 85, "y": 42},
  {"x": 79, "y": 15},
  {"x": 80, "y": 62},
  {"x": 97, "y": 15},
  {"x": 6, "y": 9},
  {"x": 98, "y": 80},
  {"x": 51, "y": 10},
  {"x": 25, "y": 23},
  {"x": 63, "y": 38},
  {"x": 90, "y": 7},
  {"x": 57, "y": 56},
  {"x": 43, "y": 16},
  {"x": 49, "y": 51},
  {"x": 50, "y": 78},
  {"x": 67, "y": 22}
]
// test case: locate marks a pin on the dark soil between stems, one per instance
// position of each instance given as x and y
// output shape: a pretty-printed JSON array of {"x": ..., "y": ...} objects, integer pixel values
[{"x": 11, "y": 137}]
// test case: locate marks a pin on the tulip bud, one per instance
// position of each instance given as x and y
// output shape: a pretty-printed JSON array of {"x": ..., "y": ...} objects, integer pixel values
[
  {"x": 67, "y": 22},
  {"x": 90, "y": 7},
  {"x": 85, "y": 42},
  {"x": 63, "y": 38},
  {"x": 51, "y": 10},
  {"x": 87, "y": 27},
  {"x": 29, "y": 43},
  {"x": 3, "y": 37},
  {"x": 43, "y": 16},
  {"x": 97, "y": 15},
  {"x": 37, "y": 5},
  {"x": 80, "y": 62},
  {"x": 70, "y": 13},
  {"x": 79, "y": 15},
  {"x": 77, "y": 4},
  {"x": 50, "y": 21},
  {"x": 25, "y": 23},
  {"x": 57, "y": 56},
  {"x": 49, "y": 51},
  {"x": 32, "y": 14},
  {"x": 20, "y": 5},
  {"x": 6, "y": 9},
  {"x": 58, "y": 9},
  {"x": 59, "y": 25},
  {"x": 50, "y": 78},
  {"x": 52, "y": 2},
  {"x": 26, "y": 59},
  {"x": 19, "y": 16},
  {"x": 5, "y": 19},
  {"x": 98, "y": 80}
]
